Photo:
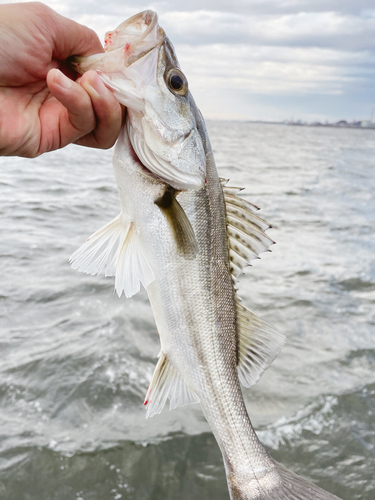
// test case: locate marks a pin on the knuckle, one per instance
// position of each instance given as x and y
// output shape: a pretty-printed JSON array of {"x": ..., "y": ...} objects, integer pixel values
[{"x": 41, "y": 10}]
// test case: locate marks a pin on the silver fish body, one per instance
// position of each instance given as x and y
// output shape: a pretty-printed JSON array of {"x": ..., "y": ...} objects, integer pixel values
[
  {"x": 195, "y": 313},
  {"x": 186, "y": 247}
]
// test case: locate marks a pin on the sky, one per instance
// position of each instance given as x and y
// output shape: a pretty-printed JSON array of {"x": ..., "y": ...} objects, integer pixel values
[{"x": 274, "y": 60}]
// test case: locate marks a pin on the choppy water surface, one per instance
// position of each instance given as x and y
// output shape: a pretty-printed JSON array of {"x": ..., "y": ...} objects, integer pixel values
[{"x": 76, "y": 361}]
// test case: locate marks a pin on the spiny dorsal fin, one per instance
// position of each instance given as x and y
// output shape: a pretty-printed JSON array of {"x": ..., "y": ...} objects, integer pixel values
[
  {"x": 245, "y": 230},
  {"x": 258, "y": 345},
  {"x": 167, "y": 383},
  {"x": 179, "y": 223},
  {"x": 116, "y": 250}
]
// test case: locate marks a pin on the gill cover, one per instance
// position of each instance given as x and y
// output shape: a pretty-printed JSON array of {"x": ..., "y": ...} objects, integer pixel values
[{"x": 141, "y": 68}]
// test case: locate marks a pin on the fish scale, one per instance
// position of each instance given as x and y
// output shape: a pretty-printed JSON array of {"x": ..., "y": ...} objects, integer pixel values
[{"x": 185, "y": 237}]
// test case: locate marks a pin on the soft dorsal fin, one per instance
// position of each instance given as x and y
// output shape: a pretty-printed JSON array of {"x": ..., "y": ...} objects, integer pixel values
[
  {"x": 258, "y": 345},
  {"x": 167, "y": 383},
  {"x": 245, "y": 230},
  {"x": 116, "y": 250}
]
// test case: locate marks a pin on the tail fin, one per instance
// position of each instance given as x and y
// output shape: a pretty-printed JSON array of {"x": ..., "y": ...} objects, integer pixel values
[
  {"x": 296, "y": 488},
  {"x": 278, "y": 484}
]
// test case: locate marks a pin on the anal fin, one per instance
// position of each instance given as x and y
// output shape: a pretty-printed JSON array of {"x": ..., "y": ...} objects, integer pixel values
[{"x": 167, "y": 383}]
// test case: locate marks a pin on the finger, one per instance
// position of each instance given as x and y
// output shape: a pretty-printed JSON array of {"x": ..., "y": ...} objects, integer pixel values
[
  {"x": 108, "y": 113},
  {"x": 71, "y": 38},
  {"x": 78, "y": 118}
]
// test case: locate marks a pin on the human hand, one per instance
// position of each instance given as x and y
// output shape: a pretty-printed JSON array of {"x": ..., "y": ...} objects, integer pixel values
[{"x": 41, "y": 109}]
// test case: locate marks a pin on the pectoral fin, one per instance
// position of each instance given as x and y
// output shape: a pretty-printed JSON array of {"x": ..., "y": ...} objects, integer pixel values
[
  {"x": 179, "y": 223},
  {"x": 116, "y": 250}
]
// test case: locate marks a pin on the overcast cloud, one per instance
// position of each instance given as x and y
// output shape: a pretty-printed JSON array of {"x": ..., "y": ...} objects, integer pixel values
[{"x": 262, "y": 59}]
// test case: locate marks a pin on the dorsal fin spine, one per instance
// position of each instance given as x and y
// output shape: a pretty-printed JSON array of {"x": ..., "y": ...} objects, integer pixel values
[{"x": 245, "y": 230}]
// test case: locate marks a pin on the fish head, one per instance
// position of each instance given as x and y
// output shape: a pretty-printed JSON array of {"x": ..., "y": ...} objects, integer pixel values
[{"x": 141, "y": 68}]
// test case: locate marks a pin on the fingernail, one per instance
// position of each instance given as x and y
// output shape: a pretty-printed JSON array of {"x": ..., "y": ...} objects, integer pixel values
[
  {"x": 63, "y": 80},
  {"x": 98, "y": 84}
]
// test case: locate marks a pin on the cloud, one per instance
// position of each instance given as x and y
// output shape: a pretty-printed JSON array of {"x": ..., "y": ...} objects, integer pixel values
[
  {"x": 348, "y": 24},
  {"x": 303, "y": 29},
  {"x": 273, "y": 69},
  {"x": 309, "y": 57},
  {"x": 241, "y": 7},
  {"x": 275, "y": 7}
]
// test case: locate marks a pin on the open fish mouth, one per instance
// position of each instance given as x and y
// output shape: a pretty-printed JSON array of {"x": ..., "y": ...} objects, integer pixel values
[
  {"x": 129, "y": 42},
  {"x": 136, "y": 36}
]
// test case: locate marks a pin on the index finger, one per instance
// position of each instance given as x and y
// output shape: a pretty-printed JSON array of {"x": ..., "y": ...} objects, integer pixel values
[{"x": 71, "y": 38}]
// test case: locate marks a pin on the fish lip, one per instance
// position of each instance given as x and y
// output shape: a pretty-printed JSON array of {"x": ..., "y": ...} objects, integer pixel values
[
  {"x": 150, "y": 18},
  {"x": 135, "y": 58}
]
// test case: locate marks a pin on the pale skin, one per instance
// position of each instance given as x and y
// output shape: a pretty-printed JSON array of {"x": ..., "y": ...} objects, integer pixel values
[{"x": 42, "y": 107}]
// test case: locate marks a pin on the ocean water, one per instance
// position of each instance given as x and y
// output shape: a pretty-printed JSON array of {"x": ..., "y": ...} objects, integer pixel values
[{"x": 76, "y": 361}]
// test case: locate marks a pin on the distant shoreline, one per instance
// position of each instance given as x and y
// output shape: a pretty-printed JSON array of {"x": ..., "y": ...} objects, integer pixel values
[
  {"x": 333, "y": 125},
  {"x": 319, "y": 125}
]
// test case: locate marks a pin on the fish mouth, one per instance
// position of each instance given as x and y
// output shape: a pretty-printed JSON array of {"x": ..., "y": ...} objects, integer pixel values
[
  {"x": 136, "y": 36},
  {"x": 129, "y": 42}
]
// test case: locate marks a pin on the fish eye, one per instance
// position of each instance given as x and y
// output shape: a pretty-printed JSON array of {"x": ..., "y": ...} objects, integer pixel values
[{"x": 177, "y": 82}]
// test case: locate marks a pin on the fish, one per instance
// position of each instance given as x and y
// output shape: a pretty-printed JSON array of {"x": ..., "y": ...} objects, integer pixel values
[{"x": 185, "y": 235}]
